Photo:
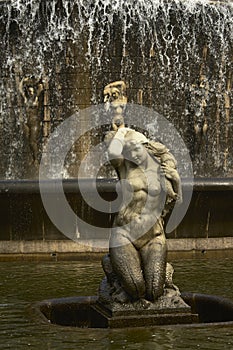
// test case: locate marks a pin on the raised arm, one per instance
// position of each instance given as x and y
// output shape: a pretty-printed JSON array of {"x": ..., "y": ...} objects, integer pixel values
[{"x": 116, "y": 147}]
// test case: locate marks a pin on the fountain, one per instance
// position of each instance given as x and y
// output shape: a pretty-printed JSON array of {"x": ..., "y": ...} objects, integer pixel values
[
  {"x": 138, "y": 288},
  {"x": 57, "y": 56},
  {"x": 176, "y": 58}
]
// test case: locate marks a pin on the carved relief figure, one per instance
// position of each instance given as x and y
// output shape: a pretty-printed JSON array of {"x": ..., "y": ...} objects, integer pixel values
[
  {"x": 31, "y": 89},
  {"x": 115, "y": 100}
]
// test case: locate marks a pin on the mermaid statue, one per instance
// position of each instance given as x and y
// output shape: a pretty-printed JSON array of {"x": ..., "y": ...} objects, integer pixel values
[{"x": 136, "y": 268}]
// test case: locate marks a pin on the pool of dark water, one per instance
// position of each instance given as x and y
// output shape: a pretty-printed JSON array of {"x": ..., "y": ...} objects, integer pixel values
[{"x": 23, "y": 283}]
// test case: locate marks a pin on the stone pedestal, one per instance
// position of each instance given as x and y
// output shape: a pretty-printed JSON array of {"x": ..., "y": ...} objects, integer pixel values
[{"x": 163, "y": 312}]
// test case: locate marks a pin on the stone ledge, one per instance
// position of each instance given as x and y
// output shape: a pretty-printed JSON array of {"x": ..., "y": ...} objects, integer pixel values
[
  {"x": 51, "y": 247},
  {"x": 104, "y": 185},
  {"x": 101, "y": 246},
  {"x": 200, "y": 244}
]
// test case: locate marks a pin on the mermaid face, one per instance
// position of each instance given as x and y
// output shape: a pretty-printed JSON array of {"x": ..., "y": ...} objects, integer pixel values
[{"x": 135, "y": 152}]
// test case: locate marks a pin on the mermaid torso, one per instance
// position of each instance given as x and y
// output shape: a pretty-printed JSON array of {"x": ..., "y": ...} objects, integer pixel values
[{"x": 141, "y": 193}]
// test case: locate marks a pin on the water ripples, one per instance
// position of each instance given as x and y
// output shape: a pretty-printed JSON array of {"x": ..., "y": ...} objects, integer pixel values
[{"x": 25, "y": 283}]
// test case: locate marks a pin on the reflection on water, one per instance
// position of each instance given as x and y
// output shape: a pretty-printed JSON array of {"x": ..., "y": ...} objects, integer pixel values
[{"x": 24, "y": 283}]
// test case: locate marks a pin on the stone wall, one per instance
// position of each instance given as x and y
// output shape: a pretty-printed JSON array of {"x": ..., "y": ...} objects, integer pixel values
[{"x": 26, "y": 228}]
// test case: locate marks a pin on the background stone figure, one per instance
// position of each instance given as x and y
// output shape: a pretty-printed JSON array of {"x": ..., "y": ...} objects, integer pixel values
[
  {"x": 136, "y": 265},
  {"x": 31, "y": 89},
  {"x": 115, "y": 100}
]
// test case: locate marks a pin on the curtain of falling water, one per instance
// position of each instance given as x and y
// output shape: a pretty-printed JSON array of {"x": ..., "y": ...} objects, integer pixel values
[{"x": 176, "y": 57}]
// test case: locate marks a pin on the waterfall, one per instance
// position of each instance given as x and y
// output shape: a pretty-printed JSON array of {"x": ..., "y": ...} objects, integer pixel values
[{"x": 175, "y": 56}]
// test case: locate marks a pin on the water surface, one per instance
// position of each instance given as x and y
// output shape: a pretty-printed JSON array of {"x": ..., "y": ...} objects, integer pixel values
[{"x": 23, "y": 283}]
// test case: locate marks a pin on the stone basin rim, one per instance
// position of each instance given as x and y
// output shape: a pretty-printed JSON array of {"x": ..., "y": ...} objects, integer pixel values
[
  {"x": 71, "y": 185},
  {"x": 219, "y": 308}
]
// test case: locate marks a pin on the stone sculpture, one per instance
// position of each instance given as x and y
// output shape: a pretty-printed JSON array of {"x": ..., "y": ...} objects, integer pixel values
[
  {"x": 31, "y": 89},
  {"x": 136, "y": 268}
]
